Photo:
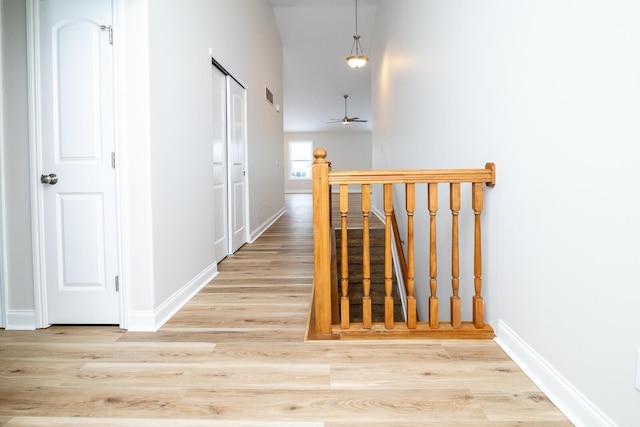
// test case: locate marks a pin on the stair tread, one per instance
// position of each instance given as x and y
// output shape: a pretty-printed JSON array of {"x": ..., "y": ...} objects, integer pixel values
[{"x": 355, "y": 270}]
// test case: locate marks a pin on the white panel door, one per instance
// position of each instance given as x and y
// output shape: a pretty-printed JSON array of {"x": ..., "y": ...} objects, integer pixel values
[
  {"x": 237, "y": 146},
  {"x": 220, "y": 172},
  {"x": 77, "y": 141}
]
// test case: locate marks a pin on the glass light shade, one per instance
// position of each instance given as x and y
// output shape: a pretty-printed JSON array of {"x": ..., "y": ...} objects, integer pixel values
[{"x": 357, "y": 61}]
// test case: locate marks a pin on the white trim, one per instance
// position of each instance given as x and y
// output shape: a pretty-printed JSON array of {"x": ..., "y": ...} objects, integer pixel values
[
  {"x": 3, "y": 214},
  {"x": 378, "y": 213},
  {"x": 35, "y": 165},
  {"x": 303, "y": 191},
  {"x": 117, "y": 146},
  {"x": 573, "y": 404},
  {"x": 152, "y": 320},
  {"x": 396, "y": 264},
  {"x": 265, "y": 225},
  {"x": 351, "y": 189},
  {"x": 21, "y": 320},
  {"x": 247, "y": 211}
]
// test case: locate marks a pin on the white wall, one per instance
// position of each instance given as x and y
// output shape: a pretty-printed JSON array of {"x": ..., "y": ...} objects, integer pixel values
[
  {"x": 3, "y": 279},
  {"x": 243, "y": 37},
  {"x": 164, "y": 143},
  {"x": 15, "y": 166},
  {"x": 345, "y": 151},
  {"x": 550, "y": 92},
  {"x": 134, "y": 162}
]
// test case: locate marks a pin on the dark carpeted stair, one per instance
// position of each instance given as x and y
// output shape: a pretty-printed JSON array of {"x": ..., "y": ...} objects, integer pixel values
[{"x": 376, "y": 244}]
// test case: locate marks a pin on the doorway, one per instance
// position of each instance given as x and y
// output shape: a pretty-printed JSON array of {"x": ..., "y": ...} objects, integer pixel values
[
  {"x": 229, "y": 162},
  {"x": 74, "y": 195}
]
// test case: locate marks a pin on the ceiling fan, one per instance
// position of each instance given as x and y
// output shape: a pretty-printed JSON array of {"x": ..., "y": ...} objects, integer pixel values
[{"x": 346, "y": 119}]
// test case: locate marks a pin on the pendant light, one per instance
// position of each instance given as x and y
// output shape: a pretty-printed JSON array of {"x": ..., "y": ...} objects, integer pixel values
[{"x": 359, "y": 59}]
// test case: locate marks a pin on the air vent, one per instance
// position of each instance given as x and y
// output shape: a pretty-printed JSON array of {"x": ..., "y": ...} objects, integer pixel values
[{"x": 268, "y": 95}]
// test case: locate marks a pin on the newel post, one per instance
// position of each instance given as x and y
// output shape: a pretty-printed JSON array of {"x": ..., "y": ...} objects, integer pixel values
[{"x": 321, "y": 242}]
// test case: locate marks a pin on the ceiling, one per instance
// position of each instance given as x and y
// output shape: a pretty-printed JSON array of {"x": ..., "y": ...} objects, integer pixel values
[{"x": 316, "y": 38}]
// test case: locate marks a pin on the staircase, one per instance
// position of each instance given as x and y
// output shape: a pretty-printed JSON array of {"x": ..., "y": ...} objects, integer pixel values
[{"x": 376, "y": 240}]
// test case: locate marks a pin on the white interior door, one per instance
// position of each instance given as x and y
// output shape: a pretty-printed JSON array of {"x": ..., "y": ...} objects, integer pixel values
[
  {"x": 220, "y": 172},
  {"x": 237, "y": 147},
  {"x": 77, "y": 142}
]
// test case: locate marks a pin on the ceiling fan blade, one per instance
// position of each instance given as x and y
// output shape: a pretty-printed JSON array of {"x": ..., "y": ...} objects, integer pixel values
[{"x": 346, "y": 119}]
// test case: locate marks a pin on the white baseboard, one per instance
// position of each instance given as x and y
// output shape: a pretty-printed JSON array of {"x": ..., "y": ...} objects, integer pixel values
[
  {"x": 297, "y": 191},
  {"x": 151, "y": 321},
  {"x": 378, "y": 213},
  {"x": 573, "y": 404},
  {"x": 353, "y": 189},
  {"x": 268, "y": 223},
  {"x": 21, "y": 320}
]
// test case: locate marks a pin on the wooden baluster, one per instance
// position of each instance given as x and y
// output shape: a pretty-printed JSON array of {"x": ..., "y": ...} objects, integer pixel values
[
  {"x": 366, "y": 257},
  {"x": 478, "y": 303},
  {"x": 412, "y": 320},
  {"x": 388, "y": 272},
  {"x": 344, "y": 257},
  {"x": 322, "y": 243},
  {"x": 456, "y": 306},
  {"x": 433, "y": 264}
]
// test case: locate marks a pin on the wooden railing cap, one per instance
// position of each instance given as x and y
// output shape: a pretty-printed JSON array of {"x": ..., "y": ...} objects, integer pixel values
[
  {"x": 320, "y": 154},
  {"x": 492, "y": 168}
]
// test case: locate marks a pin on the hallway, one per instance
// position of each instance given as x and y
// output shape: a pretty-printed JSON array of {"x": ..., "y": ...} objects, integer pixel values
[{"x": 235, "y": 355}]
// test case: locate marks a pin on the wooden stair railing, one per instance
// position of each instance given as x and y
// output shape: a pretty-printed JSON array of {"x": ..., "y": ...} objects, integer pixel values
[{"x": 324, "y": 322}]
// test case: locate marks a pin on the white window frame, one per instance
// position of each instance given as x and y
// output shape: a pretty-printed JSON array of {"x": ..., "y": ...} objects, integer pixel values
[{"x": 300, "y": 154}]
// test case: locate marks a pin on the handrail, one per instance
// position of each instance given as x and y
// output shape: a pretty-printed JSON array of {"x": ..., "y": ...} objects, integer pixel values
[
  {"x": 323, "y": 179},
  {"x": 486, "y": 175}
]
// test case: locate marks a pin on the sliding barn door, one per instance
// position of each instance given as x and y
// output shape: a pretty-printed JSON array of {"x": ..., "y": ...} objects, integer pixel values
[
  {"x": 229, "y": 150},
  {"x": 220, "y": 170},
  {"x": 237, "y": 140}
]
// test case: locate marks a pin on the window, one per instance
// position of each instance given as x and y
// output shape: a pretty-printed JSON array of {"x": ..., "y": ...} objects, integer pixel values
[{"x": 300, "y": 159}]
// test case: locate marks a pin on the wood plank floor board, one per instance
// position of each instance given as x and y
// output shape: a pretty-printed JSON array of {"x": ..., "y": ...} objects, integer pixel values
[
  {"x": 281, "y": 286},
  {"x": 93, "y": 402},
  {"x": 484, "y": 350},
  {"x": 335, "y": 405},
  {"x": 260, "y": 336},
  {"x": 35, "y": 373},
  {"x": 476, "y": 376},
  {"x": 529, "y": 406},
  {"x": 141, "y": 353},
  {"x": 145, "y": 422},
  {"x": 236, "y": 355},
  {"x": 482, "y": 423},
  {"x": 220, "y": 375},
  {"x": 65, "y": 334},
  {"x": 333, "y": 352}
]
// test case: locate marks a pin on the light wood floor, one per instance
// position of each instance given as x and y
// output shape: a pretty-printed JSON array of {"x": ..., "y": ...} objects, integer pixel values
[{"x": 235, "y": 356}]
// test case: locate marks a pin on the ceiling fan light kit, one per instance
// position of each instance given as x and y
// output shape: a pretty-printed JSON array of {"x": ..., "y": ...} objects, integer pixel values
[{"x": 357, "y": 59}]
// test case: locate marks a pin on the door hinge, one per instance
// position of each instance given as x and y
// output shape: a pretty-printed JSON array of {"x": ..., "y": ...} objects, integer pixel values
[
  {"x": 117, "y": 283},
  {"x": 113, "y": 160},
  {"x": 110, "y": 29}
]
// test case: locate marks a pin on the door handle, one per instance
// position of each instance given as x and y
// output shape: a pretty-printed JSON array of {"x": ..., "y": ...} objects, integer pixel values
[{"x": 51, "y": 179}]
